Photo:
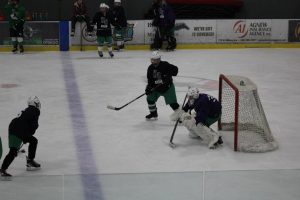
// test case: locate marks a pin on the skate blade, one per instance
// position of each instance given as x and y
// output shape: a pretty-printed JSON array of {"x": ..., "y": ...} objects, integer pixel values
[
  {"x": 5, "y": 178},
  {"x": 33, "y": 168},
  {"x": 152, "y": 119}
]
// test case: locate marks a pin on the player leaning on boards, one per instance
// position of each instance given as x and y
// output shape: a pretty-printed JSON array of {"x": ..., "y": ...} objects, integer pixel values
[
  {"x": 21, "y": 130},
  {"x": 103, "y": 21},
  {"x": 16, "y": 16},
  {"x": 121, "y": 23},
  {"x": 207, "y": 112},
  {"x": 160, "y": 83}
]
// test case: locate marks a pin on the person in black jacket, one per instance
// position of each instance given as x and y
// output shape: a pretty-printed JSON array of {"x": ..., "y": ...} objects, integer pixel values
[
  {"x": 21, "y": 130},
  {"x": 121, "y": 23},
  {"x": 80, "y": 14},
  {"x": 164, "y": 21},
  {"x": 104, "y": 20},
  {"x": 160, "y": 83}
]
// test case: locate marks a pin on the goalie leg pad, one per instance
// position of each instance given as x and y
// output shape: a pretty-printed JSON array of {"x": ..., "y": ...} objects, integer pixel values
[{"x": 209, "y": 136}]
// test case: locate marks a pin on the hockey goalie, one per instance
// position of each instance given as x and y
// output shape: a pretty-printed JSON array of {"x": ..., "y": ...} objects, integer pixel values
[{"x": 206, "y": 110}]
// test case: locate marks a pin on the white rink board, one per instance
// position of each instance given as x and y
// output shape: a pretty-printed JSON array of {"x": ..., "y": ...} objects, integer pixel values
[
  {"x": 149, "y": 31},
  {"x": 138, "y": 32},
  {"x": 280, "y": 29},
  {"x": 187, "y": 31},
  {"x": 196, "y": 31},
  {"x": 210, "y": 31},
  {"x": 251, "y": 31}
]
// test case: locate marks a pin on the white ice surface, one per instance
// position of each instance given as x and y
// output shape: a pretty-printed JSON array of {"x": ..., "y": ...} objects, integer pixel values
[{"x": 122, "y": 141}]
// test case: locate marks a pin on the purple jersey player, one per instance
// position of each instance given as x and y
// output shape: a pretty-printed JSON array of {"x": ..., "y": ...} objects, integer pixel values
[{"x": 207, "y": 112}]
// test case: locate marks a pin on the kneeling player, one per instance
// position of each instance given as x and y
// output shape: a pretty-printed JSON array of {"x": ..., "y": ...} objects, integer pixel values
[
  {"x": 21, "y": 130},
  {"x": 207, "y": 112},
  {"x": 160, "y": 83}
]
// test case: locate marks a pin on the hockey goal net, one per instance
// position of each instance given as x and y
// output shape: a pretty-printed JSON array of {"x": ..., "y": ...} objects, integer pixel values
[{"x": 243, "y": 115}]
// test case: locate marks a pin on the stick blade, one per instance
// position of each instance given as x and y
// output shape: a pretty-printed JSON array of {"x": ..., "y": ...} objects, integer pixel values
[
  {"x": 111, "y": 107},
  {"x": 172, "y": 145}
]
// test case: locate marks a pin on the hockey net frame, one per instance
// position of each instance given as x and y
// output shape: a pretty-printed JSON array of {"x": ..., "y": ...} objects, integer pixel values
[{"x": 239, "y": 86}]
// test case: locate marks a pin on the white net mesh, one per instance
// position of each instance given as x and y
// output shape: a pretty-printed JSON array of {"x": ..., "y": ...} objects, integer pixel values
[{"x": 254, "y": 134}]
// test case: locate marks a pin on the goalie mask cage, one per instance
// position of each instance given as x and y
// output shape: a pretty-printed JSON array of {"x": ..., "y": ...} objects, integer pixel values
[{"x": 243, "y": 114}]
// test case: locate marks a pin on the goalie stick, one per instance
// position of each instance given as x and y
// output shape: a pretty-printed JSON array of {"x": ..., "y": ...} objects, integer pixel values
[{"x": 171, "y": 144}]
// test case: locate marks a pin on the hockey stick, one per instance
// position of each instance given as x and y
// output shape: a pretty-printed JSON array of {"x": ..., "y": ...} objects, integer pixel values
[
  {"x": 171, "y": 144},
  {"x": 119, "y": 108}
]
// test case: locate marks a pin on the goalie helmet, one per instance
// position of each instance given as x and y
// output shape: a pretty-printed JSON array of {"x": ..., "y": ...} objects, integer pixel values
[
  {"x": 193, "y": 93},
  {"x": 34, "y": 101}
]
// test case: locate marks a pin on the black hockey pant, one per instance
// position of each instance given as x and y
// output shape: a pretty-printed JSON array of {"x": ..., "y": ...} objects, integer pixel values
[{"x": 13, "y": 152}]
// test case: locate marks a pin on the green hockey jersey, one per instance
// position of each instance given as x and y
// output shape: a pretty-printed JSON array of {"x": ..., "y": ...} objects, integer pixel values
[{"x": 15, "y": 14}]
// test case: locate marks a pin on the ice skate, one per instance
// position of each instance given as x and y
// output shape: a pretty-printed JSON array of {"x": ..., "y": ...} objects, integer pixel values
[
  {"x": 5, "y": 176},
  {"x": 21, "y": 49},
  {"x": 213, "y": 142},
  {"x": 100, "y": 53},
  {"x": 220, "y": 141},
  {"x": 32, "y": 165},
  {"x": 15, "y": 49},
  {"x": 111, "y": 54},
  {"x": 152, "y": 116}
]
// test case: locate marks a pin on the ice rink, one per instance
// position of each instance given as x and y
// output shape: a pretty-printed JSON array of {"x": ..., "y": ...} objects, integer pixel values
[{"x": 90, "y": 152}]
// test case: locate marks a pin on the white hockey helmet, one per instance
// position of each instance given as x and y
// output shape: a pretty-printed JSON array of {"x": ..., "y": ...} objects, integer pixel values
[
  {"x": 34, "y": 101},
  {"x": 117, "y": 1},
  {"x": 155, "y": 55},
  {"x": 193, "y": 93},
  {"x": 103, "y": 5}
]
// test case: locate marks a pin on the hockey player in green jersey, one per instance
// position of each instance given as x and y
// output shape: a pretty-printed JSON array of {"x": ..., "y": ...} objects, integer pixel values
[
  {"x": 160, "y": 83},
  {"x": 103, "y": 20},
  {"x": 21, "y": 130},
  {"x": 15, "y": 14}
]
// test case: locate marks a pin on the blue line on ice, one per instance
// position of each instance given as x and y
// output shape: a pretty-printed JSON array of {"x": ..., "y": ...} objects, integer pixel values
[{"x": 87, "y": 164}]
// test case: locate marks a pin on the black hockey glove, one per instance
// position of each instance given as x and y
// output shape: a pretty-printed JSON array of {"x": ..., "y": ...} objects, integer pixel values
[{"x": 148, "y": 90}]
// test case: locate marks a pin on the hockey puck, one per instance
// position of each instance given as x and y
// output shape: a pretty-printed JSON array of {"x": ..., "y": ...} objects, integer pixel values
[{"x": 23, "y": 151}]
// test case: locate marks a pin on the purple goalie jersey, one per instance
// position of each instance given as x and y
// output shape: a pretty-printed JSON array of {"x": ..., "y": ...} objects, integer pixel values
[{"x": 205, "y": 106}]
